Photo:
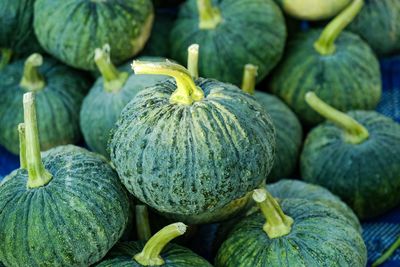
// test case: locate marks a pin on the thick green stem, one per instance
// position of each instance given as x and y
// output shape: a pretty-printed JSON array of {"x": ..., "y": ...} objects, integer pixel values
[
  {"x": 355, "y": 133},
  {"x": 387, "y": 254},
  {"x": 6, "y": 55},
  {"x": 278, "y": 224},
  {"x": 38, "y": 175},
  {"x": 193, "y": 60},
  {"x": 32, "y": 80},
  {"x": 22, "y": 145},
  {"x": 150, "y": 254},
  {"x": 209, "y": 16},
  {"x": 186, "y": 92},
  {"x": 249, "y": 79},
  {"x": 113, "y": 79},
  {"x": 142, "y": 222},
  {"x": 325, "y": 45}
]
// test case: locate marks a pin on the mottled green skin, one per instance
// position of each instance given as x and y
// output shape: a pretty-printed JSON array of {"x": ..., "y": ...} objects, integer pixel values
[
  {"x": 379, "y": 24},
  {"x": 74, "y": 220},
  {"x": 348, "y": 79},
  {"x": 320, "y": 236},
  {"x": 251, "y": 31},
  {"x": 173, "y": 255},
  {"x": 57, "y": 105},
  {"x": 190, "y": 159},
  {"x": 71, "y": 30},
  {"x": 366, "y": 175}
]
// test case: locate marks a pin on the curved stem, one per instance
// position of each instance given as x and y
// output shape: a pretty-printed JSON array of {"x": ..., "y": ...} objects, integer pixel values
[
  {"x": 6, "y": 55},
  {"x": 325, "y": 45},
  {"x": 142, "y": 222},
  {"x": 387, "y": 254},
  {"x": 278, "y": 224},
  {"x": 186, "y": 92},
  {"x": 193, "y": 60},
  {"x": 355, "y": 133},
  {"x": 38, "y": 175},
  {"x": 209, "y": 16},
  {"x": 22, "y": 146},
  {"x": 249, "y": 79},
  {"x": 150, "y": 254},
  {"x": 32, "y": 80}
]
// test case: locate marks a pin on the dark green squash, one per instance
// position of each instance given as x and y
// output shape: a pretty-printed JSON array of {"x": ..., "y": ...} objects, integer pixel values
[
  {"x": 300, "y": 234},
  {"x": 71, "y": 30},
  {"x": 231, "y": 33},
  {"x": 356, "y": 157},
  {"x": 188, "y": 147},
  {"x": 65, "y": 209},
  {"x": 343, "y": 71},
  {"x": 59, "y": 92}
]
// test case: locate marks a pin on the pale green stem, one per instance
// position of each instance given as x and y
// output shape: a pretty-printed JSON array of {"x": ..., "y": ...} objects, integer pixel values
[
  {"x": 193, "y": 60},
  {"x": 249, "y": 79},
  {"x": 355, "y": 133},
  {"x": 387, "y": 254},
  {"x": 142, "y": 222},
  {"x": 32, "y": 80},
  {"x": 209, "y": 16},
  {"x": 6, "y": 55},
  {"x": 22, "y": 145},
  {"x": 150, "y": 254},
  {"x": 325, "y": 45}
]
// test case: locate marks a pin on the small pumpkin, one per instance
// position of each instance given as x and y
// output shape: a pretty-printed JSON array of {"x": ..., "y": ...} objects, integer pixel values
[
  {"x": 294, "y": 232},
  {"x": 231, "y": 33},
  {"x": 125, "y": 25},
  {"x": 66, "y": 208},
  {"x": 59, "y": 92},
  {"x": 337, "y": 65},
  {"x": 356, "y": 156}
]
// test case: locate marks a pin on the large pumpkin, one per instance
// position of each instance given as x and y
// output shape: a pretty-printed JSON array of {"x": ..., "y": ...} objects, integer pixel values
[
  {"x": 71, "y": 30},
  {"x": 345, "y": 72},
  {"x": 59, "y": 93},
  {"x": 231, "y": 33}
]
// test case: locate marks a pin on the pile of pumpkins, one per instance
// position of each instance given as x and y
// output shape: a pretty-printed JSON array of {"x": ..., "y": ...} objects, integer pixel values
[{"x": 175, "y": 142}]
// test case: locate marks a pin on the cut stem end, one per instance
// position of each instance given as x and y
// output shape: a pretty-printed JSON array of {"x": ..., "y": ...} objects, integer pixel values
[
  {"x": 32, "y": 80},
  {"x": 209, "y": 16},
  {"x": 193, "y": 60},
  {"x": 249, "y": 79}
]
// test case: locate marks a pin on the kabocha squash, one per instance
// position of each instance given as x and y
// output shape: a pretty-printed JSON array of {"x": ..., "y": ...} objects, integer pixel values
[
  {"x": 71, "y": 30},
  {"x": 289, "y": 133},
  {"x": 59, "y": 92},
  {"x": 66, "y": 209},
  {"x": 338, "y": 66},
  {"x": 231, "y": 33},
  {"x": 356, "y": 157},
  {"x": 156, "y": 252},
  {"x": 379, "y": 24},
  {"x": 294, "y": 233},
  {"x": 188, "y": 147}
]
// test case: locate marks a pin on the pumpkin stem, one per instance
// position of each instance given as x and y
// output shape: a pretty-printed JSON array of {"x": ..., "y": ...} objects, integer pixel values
[
  {"x": 38, "y": 175},
  {"x": 113, "y": 79},
  {"x": 387, "y": 254},
  {"x": 32, "y": 80},
  {"x": 355, "y": 133},
  {"x": 142, "y": 222},
  {"x": 186, "y": 92},
  {"x": 22, "y": 145},
  {"x": 249, "y": 79},
  {"x": 209, "y": 16},
  {"x": 278, "y": 224},
  {"x": 150, "y": 254},
  {"x": 325, "y": 45},
  {"x": 6, "y": 55},
  {"x": 193, "y": 60}
]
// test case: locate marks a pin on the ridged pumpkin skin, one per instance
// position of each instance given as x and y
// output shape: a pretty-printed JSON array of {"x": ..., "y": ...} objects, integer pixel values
[
  {"x": 379, "y": 24},
  {"x": 58, "y": 104},
  {"x": 320, "y": 236},
  {"x": 174, "y": 256},
  {"x": 348, "y": 79},
  {"x": 71, "y": 30},
  {"x": 251, "y": 31},
  {"x": 72, "y": 221},
  {"x": 190, "y": 159},
  {"x": 367, "y": 175}
]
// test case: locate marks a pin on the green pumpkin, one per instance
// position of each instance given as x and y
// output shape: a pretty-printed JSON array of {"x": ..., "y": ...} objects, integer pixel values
[
  {"x": 356, "y": 157},
  {"x": 379, "y": 25},
  {"x": 66, "y": 208},
  {"x": 71, "y": 30},
  {"x": 59, "y": 93},
  {"x": 345, "y": 72},
  {"x": 301, "y": 233},
  {"x": 193, "y": 146},
  {"x": 231, "y": 33}
]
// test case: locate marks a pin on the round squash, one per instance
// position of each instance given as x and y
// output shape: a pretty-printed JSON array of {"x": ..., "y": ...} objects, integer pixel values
[
  {"x": 188, "y": 147},
  {"x": 231, "y": 33},
  {"x": 71, "y": 30},
  {"x": 357, "y": 157},
  {"x": 301, "y": 233},
  {"x": 59, "y": 93},
  {"x": 345, "y": 72},
  {"x": 67, "y": 209}
]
